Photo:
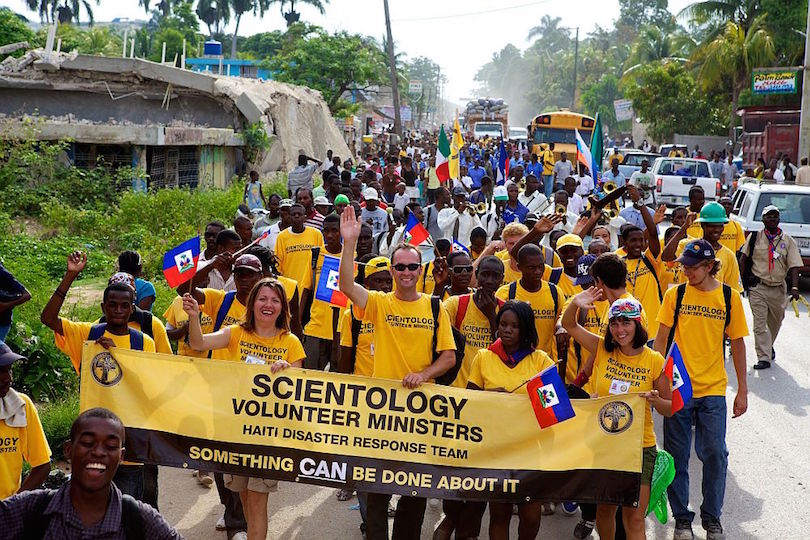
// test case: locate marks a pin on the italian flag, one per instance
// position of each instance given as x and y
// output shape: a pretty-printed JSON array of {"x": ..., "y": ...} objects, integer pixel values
[{"x": 442, "y": 157}]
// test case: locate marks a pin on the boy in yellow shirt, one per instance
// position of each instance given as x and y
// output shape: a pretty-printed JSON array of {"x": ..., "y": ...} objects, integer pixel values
[{"x": 294, "y": 248}]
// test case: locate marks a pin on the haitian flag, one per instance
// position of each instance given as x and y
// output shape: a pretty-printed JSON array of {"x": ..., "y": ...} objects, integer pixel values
[
  {"x": 458, "y": 246},
  {"x": 675, "y": 370},
  {"x": 549, "y": 398},
  {"x": 415, "y": 232},
  {"x": 180, "y": 263},
  {"x": 327, "y": 290}
]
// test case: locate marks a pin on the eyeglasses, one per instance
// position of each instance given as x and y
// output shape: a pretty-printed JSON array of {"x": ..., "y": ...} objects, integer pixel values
[
  {"x": 465, "y": 269},
  {"x": 401, "y": 267}
]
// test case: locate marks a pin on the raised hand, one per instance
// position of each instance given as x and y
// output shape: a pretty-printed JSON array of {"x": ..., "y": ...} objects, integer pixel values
[
  {"x": 191, "y": 306},
  {"x": 586, "y": 298},
  {"x": 660, "y": 214},
  {"x": 349, "y": 225},
  {"x": 546, "y": 223},
  {"x": 690, "y": 219},
  {"x": 76, "y": 262}
]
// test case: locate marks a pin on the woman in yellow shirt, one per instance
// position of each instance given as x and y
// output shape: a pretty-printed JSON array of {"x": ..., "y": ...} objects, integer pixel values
[
  {"x": 623, "y": 364},
  {"x": 263, "y": 337},
  {"x": 506, "y": 366}
]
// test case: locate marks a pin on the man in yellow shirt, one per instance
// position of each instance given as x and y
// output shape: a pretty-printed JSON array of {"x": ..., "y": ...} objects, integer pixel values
[
  {"x": 294, "y": 248},
  {"x": 698, "y": 316},
  {"x": 21, "y": 435},
  {"x": 733, "y": 236},
  {"x": 544, "y": 297},
  {"x": 320, "y": 344},
  {"x": 546, "y": 157},
  {"x": 697, "y": 198},
  {"x": 405, "y": 330}
]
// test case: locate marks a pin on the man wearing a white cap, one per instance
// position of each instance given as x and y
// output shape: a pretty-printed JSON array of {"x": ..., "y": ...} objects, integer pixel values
[
  {"x": 767, "y": 258},
  {"x": 457, "y": 222},
  {"x": 373, "y": 214}
]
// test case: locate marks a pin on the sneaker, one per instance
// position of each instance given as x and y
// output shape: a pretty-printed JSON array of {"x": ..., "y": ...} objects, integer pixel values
[
  {"x": 714, "y": 530},
  {"x": 241, "y": 535},
  {"x": 583, "y": 529},
  {"x": 220, "y": 526},
  {"x": 548, "y": 509},
  {"x": 683, "y": 530},
  {"x": 205, "y": 478},
  {"x": 762, "y": 364}
]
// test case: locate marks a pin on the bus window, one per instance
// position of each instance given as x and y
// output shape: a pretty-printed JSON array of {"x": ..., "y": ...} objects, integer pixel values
[{"x": 559, "y": 135}]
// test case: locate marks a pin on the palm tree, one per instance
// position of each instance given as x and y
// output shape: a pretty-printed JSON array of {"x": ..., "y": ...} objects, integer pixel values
[
  {"x": 240, "y": 7},
  {"x": 293, "y": 16},
  {"x": 69, "y": 10},
  {"x": 164, "y": 6},
  {"x": 550, "y": 33},
  {"x": 215, "y": 14},
  {"x": 653, "y": 45},
  {"x": 716, "y": 13},
  {"x": 729, "y": 58},
  {"x": 43, "y": 7}
]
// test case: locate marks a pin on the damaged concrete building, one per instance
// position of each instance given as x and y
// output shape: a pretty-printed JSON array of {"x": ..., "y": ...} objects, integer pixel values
[{"x": 181, "y": 127}]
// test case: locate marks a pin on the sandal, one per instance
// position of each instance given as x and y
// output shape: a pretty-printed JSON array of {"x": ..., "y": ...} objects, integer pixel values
[{"x": 344, "y": 494}]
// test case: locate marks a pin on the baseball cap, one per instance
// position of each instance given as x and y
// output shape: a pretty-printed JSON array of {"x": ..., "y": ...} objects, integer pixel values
[
  {"x": 458, "y": 190},
  {"x": 768, "y": 209},
  {"x": 499, "y": 193},
  {"x": 285, "y": 203},
  {"x": 321, "y": 201},
  {"x": 248, "y": 262},
  {"x": 378, "y": 264},
  {"x": 341, "y": 199},
  {"x": 696, "y": 252},
  {"x": 629, "y": 308},
  {"x": 370, "y": 194},
  {"x": 569, "y": 240},
  {"x": 7, "y": 356},
  {"x": 122, "y": 277},
  {"x": 584, "y": 270}
]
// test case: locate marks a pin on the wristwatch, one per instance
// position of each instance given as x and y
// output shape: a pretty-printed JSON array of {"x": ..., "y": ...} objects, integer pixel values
[{"x": 638, "y": 204}]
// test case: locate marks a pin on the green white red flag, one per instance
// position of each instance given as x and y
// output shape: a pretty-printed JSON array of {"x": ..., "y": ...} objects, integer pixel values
[{"x": 442, "y": 157}]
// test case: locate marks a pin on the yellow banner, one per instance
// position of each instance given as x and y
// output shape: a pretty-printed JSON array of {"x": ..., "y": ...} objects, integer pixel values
[{"x": 369, "y": 434}]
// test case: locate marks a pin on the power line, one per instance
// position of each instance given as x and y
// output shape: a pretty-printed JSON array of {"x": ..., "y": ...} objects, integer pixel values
[{"x": 460, "y": 15}]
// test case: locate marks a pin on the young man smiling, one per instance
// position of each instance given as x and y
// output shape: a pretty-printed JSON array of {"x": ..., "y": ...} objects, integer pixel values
[{"x": 88, "y": 506}]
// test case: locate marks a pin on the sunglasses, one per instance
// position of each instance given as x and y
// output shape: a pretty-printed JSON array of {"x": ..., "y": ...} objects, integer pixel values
[
  {"x": 465, "y": 269},
  {"x": 401, "y": 267}
]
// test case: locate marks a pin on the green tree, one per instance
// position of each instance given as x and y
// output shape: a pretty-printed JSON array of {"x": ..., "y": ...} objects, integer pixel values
[
  {"x": 714, "y": 14},
  {"x": 14, "y": 30},
  {"x": 669, "y": 100},
  {"x": 331, "y": 63},
  {"x": 262, "y": 45},
  {"x": 293, "y": 16},
  {"x": 70, "y": 10},
  {"x": 654, "y": 45},
  {"x": 727, "y": 60},
  {"x": 239, "y": 8},
  {"x": 428, "y": 72},
  {"x": 182, "y": 24},
  {"x": 215, "y": 14},
  {"x": 598, "y": 97},
  {"x": 637, "y": 14}
]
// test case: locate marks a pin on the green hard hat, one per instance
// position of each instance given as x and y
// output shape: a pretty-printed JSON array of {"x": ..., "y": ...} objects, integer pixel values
[{"x": 712, "y": 213}]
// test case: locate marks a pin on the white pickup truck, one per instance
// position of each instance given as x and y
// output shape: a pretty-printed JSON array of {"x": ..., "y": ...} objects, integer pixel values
[{"x": 674, "y": 177}]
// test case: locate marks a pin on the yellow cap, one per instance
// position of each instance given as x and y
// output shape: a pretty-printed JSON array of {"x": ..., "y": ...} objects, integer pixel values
[
  {"x": 569, "y": 240},
  {"x": 378, "y": 264}
]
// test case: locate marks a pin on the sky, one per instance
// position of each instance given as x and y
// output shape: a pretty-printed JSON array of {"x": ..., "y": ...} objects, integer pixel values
[{"x": 459, "y": 35}]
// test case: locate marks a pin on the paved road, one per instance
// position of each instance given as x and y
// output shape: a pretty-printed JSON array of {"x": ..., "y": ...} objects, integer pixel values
[{"x": 766, "y": 491}]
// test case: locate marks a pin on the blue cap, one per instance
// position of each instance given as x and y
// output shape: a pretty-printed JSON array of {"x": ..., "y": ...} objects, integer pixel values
[
  {"x": 584, "y": 270},
  {"x": 696, "y": 252}
]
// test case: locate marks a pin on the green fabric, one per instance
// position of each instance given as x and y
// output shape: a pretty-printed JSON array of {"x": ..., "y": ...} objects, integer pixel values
[
  {"x": 596, "y": 147},
  {"x": 663, "y": 474}
]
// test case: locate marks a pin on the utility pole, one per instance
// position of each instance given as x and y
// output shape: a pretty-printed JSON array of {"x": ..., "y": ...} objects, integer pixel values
[
  {"x": 576, "y": 57},
  {"x": 804, "y": 119},
  {"x": 394, "y": 78}
]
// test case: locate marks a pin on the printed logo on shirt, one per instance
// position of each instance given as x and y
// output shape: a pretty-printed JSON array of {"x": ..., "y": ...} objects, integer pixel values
[
  {"x": 695, "y": 310},
  {"x": 105, "y": 369}
]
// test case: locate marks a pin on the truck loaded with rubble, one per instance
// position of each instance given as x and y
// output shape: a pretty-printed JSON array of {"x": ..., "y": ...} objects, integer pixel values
[{"x": 486, "y": 117}]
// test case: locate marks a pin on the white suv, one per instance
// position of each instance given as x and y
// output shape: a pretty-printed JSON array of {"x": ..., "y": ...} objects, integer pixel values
[{"x": 793, "y": 203}]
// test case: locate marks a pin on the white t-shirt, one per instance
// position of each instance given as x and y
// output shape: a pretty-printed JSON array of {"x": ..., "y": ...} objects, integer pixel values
[
  {"x": 465, "y": 182},
  {"x": 778, "y": 176},
  {"x": 576, "y": 205},
  {"x": 400, "y": 201},
  {"x": 585, "y": 186},
  {"x": 644, "y": 180},
  {"x": 534, "y": 201}
]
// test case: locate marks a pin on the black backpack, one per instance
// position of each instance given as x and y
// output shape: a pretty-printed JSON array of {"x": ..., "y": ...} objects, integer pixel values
[
  {"x": 679, "y": 300},
  {"x": 36, "y": 523},
  {"x": 447, "y": 378}
]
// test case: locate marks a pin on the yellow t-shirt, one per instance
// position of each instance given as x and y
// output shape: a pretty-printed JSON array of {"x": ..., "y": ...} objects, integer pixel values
[
  {"x": 249, "y": 348},
  {"x": 289, "y": 285},
  {"x": 616, "y": 373},
  {"x": 76, "y": 333},
  {"x": 364, "y": 359},
  {"x": 323, "y": 315},
  {"x": 159, "y": 335},
  {"x": 18, "y": 444},
  {"x": 621, "y": 252},
  {"x": 489, "y": 372},
  {"x": 510, "y": 275},
  {"x": 175, "y": 316},
  {"x": 729, "y": 268},
  {"x": 592, "y": 323},
  {"x": 294, "y": 252},
  {"x": 567, "y": 287},
  {"x": 547, "y": 156},
  {"x": 426, "y": 283},
  {"x": 603, "y": 325},
  {"x": 700, "y": 332},
  {"x": 643, "y": 285},
  {"x": 695, "y": 230},
  {"x": 476, "y": 329},
  {"x": 733, "y": 236},
  {"x": 213, "y": 300},
  {"x": 545, "y": 315},
  {"x": 403, "y": 334}
]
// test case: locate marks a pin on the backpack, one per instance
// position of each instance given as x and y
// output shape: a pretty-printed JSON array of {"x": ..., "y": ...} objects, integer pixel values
[
  {"x": 36, "y": 522},
  {"x": 458, "y": 338},
  {"x": 355, "y": 331},
  {"x": 463, "y": 305},
  {"x": 140, "y": 316},
  {"x": 135, "y": 337},
  {"x": 222, "y": 312},
  {"x": 681, "y": 292}
]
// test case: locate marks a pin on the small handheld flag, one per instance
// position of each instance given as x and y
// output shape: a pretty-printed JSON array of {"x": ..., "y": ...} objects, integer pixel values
[
  {"x": 415, "y": 232},
  {"x": 327, "y": 290},
  {"x": 503, "y": 164},
  {"x": 549, "y": 399},
  {"x": 458, "y": 246},
  {"x": 675, "y": 370},
  {"x": 583, "y": 152},
  {"x": 180, "y": 263}
]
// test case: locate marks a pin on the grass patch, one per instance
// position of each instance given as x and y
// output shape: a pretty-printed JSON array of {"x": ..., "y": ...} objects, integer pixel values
[{"x": 57, "y": 417}]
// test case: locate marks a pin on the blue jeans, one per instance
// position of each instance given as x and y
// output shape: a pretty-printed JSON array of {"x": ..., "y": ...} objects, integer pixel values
[
  {"x": 710, "y": 446},
  {"x": 548, "y": 184}
]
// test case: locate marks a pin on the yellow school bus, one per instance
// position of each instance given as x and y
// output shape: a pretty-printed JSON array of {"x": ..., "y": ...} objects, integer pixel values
[{"x": 558, "y": 127}]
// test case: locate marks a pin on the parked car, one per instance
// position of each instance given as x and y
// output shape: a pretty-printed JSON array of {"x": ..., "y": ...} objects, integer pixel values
[
  {"x": 632, "y": 162},
  {"x": 793, "y": 203},
  {"x": 674, "y": 177}
]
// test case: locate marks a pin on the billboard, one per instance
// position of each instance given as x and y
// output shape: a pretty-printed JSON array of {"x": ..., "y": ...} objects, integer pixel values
[{"x": 779, "y": 81}]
